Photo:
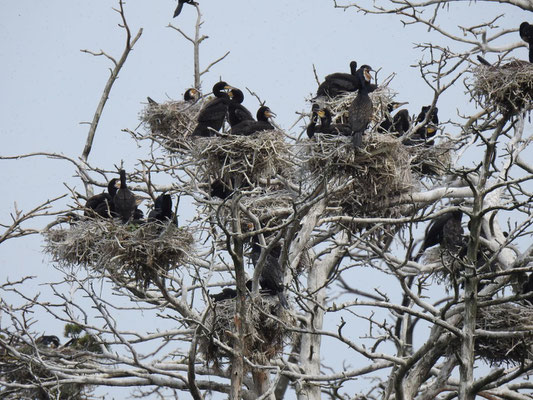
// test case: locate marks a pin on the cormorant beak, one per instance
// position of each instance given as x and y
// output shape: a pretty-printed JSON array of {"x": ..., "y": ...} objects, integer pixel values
[
  {"x": 368, "y": 77},
  {"x": 321, "y": 113},
  {"x": 270, "y": 114},
  {"x": 117, "y": 184},
  {"x": 398, "y": 105},
  {"x": 431, "y": 129}
]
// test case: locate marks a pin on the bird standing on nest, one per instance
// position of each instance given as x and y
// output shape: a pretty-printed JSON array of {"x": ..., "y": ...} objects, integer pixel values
[
  {"x": 340, "y": 82},
  {"x": 237, "y": 113},
  {"x": 526, "y": 33},
  {"x": 213, "y": 114},
  {"x": 48, "y": 341},
  {"x": 362, "y": 108},
  {"x": 125, "y": 202},
  {"x": 248, "y": 127},
  {"x": 102, "y": 204},
  {"x": 190, "y": 96}
]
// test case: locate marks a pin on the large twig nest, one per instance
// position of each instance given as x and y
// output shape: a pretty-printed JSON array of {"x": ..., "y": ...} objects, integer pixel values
[
  {"x": 366, "y": 180},
  {"x": 172, "y": 123},
  {"x": 24, "y": 369},
  {"x": 271, "y": 207},
  {"x": 508, "y": 87},
  {"x": 266, "y": 337},
  {"x": 508, "y": 317},
  {"x": 138, "y": 252},
  {"x": 244, "y": 159}
]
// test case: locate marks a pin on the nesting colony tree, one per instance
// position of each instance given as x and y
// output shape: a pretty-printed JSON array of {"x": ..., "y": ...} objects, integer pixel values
[{"x": 246, "y": 291}]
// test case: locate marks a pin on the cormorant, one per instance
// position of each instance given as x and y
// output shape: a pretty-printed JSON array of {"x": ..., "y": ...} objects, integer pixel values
[
  {"x": 151, "y": 101},
  {"x": 220, "y": 189},
  {"x": 191, "y": 95},
  {"x": 124, "y": 200},
  {"x": 213, "y": 114},
  {"x": 527, "y": 287},
  {"x": 237, "y": 113},
  {"x": 427, "y": 131},
  {"x": 250, "y": 126},
  {"x": 162, "y": 209},
  {"x": 48, "y": 341},
  {"x": 483, "y": 61},
  {"x": 361, "y": 109},
  {"x": 229, "y": 293},
  {"x": 526, "y": 33},
  {"x": 445, "y": 230},
  {"x": 332, "y": 129},
  {"x": 399, "y": 124},
  {"x": 340, "y": 82},
  {"x": 102, "y": 204},
  {"x": 271, "y": 279},
  {"x": 180, "y": 6},
  {"x": 312, "y": 128}
]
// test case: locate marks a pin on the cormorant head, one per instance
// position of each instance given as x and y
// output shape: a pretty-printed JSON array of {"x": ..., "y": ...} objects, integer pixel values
[
  {"x": 220, "y": 88},
  {"x": 236, "y": 95},
  {"x": 191, "y": 95},
  {"x": 366, "y": 72},
  {"x": 526, "y": 32},
  {"x": 264, "y": 111},
  {"x": 353, "y": 67}
]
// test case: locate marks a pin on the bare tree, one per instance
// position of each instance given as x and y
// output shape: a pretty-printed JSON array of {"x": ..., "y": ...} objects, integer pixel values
[{"x": 258, "y": 296}]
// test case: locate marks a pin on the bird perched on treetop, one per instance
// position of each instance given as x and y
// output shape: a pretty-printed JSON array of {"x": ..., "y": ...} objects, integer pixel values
[{"x": 124, "y": 200}]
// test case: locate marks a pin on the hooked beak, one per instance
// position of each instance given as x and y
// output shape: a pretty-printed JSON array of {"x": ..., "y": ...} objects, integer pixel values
[
  {"x": 270, "y": 114},
  {"x": 321, "y": 113}
]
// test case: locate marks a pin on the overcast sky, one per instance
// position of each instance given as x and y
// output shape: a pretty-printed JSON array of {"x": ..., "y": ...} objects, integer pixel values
[{"x": 50, "y": 88}]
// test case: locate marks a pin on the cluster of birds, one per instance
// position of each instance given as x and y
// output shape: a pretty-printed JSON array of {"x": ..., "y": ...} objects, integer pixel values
[
  {"x": 227, "y": 106},
  {"x": 120, "y": 202},
  {"x": 361, "y": 110}
]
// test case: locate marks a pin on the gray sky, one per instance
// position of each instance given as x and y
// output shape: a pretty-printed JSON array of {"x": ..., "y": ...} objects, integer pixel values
[{"x": 49, "y": 87}]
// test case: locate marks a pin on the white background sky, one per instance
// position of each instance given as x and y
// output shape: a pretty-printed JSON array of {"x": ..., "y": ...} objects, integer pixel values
[{"x": 49, "y": 87}]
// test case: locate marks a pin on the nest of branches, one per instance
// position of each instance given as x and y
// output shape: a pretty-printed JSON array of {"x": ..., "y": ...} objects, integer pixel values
[
  {"x": 431, "y": 160},
  {"x": 134, "y": 252},
  {"x": 25, "y": 370},
  {"x": 172, "y": 123},
  {"x": 509, "y": 317},
  {"x": 508, "y": 87},
  {"x": 267, "y": 334},
  {"x": 244, "y": 159},
  {"x": 366, "y": 181},
  {"x": 271, "y": 207}
]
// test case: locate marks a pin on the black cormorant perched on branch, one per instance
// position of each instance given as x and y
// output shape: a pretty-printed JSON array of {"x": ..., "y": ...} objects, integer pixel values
[
  {"x": 124, "y": 200},
  {"x": 162, "y": 209},
  {"x": 248, "y": 127},
  {"x": 213, "y": 114},
  {"x": 102, "y": 204},
  {"x": 180, "y": 6},
  {"x": 340, "y": 82},
  {"x": 426, "y": 131},
  {"x": 237, "y": 113},
  {"x": 271, "y": 279},
  {"x": 526, "y": 33},
  {"x": 361, "y": 109},
  {"x": 445, "y": 230}
]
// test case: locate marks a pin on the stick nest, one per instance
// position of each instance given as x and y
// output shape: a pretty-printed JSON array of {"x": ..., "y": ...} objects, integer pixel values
[
  {"x": 137, "y": 252},
  {"x": 379, "y": 172},
  {"x": 172, "y": 123},
  {"x": 266, "y": 336},
  {"x": 26, "y": 371},
  {"x": 431, "y": 161},
  {"x": 508, "y": 317},
  {"x": 271, "y": 207},
  {"x": 509, "y": 87},
  {"x": 244, "y": 158}
]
